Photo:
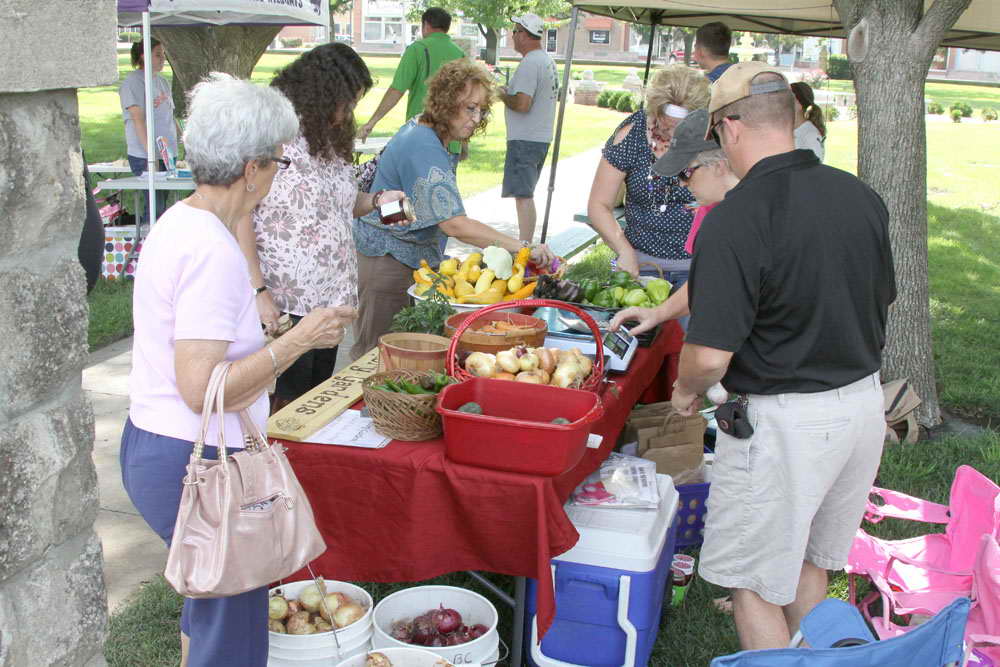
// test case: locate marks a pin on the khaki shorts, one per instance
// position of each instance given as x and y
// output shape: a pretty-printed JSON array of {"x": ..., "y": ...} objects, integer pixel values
[{"x": 795, "y": 490}]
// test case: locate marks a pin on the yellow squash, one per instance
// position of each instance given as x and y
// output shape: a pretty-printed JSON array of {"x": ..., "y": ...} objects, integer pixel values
[
  {"x": 448, "y": 267},
  {"x": 485, "y": 281},
  {"x": 467, "y": 264}
]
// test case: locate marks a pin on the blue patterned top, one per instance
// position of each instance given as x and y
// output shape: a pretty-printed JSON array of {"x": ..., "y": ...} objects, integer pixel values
[
  {"x": 655, "y": 206},
  {"x": 415, "y": 162}
]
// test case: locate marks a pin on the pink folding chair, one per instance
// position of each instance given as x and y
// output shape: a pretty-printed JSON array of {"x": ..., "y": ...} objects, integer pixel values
[
  {"x": 982, "y": 632},
  {"x": 921, "y": 575}
]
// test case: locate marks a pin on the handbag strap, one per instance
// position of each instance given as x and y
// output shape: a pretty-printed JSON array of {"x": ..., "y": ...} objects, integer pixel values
[{"x": 214, "y": 399}]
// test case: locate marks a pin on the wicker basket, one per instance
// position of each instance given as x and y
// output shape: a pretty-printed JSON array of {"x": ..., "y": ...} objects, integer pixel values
[
  {"x": 593, "y": 382},
  {"x": 409, "y": 417},
  {"x": 474, "y": 340}
]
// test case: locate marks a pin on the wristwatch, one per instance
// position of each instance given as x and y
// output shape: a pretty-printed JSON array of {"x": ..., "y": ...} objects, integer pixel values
[{"x": 258, "y": 290}]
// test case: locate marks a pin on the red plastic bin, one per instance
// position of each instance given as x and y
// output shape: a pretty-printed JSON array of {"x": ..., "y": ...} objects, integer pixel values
[{"x": 514, "y": 432}]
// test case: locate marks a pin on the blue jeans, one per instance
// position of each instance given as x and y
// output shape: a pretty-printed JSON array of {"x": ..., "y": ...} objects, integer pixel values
[
  {"x": 223, "y": 631},
  {"x": 138, "y": 166}
]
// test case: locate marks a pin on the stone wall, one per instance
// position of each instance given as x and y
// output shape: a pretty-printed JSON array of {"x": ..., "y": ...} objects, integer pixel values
[{"x": 53, "y": 608}]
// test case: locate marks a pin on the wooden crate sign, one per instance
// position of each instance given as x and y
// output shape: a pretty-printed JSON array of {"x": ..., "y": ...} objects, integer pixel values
[{"x": 315, "y": 409}]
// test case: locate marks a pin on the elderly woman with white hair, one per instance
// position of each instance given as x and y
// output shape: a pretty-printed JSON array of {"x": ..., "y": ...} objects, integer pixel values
[
  {"x": 194, "y": 307},
  {"x": 656, "y": 207}
]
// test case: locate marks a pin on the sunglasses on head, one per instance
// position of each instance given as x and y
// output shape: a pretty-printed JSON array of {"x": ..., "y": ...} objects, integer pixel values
[
  {"x": 283, "y": 162},
  {"x": 712, "y": 131},
  {"x": 686, "y": 175}
]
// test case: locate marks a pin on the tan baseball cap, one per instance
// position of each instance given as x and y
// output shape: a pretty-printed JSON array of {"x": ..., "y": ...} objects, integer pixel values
[{"x": 737, "y": 83}]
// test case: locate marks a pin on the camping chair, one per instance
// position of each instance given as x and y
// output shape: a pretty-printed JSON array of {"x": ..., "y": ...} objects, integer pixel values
[
  {"x": 110, "y": 207},
  {"x": 921, "y": 575},
  {"x": 936, "y": 643}
]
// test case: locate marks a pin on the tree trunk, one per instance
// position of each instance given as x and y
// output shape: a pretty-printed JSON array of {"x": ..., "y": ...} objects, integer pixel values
[
  {"x": 491, "y": 44},
  {"x": 892, "y": 158},
  {"x": 194, "y": 51},
  {"x": 688, "y": 46}
]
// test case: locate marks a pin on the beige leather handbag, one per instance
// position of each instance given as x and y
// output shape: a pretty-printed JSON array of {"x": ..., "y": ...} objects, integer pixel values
[{"x": 244, "y": 520}]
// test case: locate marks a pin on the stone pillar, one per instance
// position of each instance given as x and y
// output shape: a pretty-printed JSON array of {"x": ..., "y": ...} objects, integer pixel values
[{"x": 53, "y": 608}]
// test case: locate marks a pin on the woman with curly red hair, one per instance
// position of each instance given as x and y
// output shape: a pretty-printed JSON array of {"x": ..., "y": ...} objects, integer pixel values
[
  {"x": 298, "y": 240},
  {"x": 417, "y": 161}
]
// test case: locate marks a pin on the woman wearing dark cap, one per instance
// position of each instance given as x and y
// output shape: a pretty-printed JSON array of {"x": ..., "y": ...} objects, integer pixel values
[{"x": 810, "y": 130}]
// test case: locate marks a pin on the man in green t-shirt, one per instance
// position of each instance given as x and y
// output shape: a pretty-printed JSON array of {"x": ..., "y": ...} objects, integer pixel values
[{"x": 420, "y": 61}]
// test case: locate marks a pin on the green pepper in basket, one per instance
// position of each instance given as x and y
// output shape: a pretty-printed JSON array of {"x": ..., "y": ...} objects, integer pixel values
[
  {"x": 411, "y": 388},
  {"x": 619, "y": 294},
  {"x": 605, "y": 298},
  {"x": 658, "y": 290},
  {"x": 635, "y": 297},
  {"x": 620, "y": 278},
  {"x": 392, "y": 386}
]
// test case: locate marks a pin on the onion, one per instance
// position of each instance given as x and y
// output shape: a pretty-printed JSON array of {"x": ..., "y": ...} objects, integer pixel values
[
  {"x": 529, "y": 376},
  {"x": 330, "y": 604},
  {"x": 543, "y": 375},
  {"x": 528, "y": 362},
  {"x": 546, "y": 361},
  {"x": 423, "y": 630},
  {"x": 310, "y": 597},
  {"x": 478, "y": 630},
  {"x": 402, "y": 631},
  {"x": 503, "y": 376},
  {"x": 347, "y": 614},
  {"x": 584, "y": 362},
  {"x": 446, "y": 620},
  {"x": 298, "y": 624},
  {"x": 275, "y": 625},
  {"x": 565, "y": 375},
  {"x": 507, "y": 360},
  {"x": 277, "y": 608},
  {"x": 377, "y": 660},
  {"x": 322, "y": 625},
  {"x": 481, "y": 364}
]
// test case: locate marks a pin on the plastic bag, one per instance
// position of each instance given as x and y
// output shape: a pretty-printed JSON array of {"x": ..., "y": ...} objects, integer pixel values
[{"x": 621, "y": 482}]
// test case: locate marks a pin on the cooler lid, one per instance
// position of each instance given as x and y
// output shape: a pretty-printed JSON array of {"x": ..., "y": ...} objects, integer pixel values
[{"x": 623, "y": 539}]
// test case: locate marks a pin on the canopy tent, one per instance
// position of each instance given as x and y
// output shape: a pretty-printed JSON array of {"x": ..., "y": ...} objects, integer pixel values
[
  {"x": 168, "y": 13},
  {"x": 977, "y": 28}
]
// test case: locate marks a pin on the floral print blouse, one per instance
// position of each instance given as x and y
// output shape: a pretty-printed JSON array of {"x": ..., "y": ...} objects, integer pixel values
[{"x": 304, "y": 233}]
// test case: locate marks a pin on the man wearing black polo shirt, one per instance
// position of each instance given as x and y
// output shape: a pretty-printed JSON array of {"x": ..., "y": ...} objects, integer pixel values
[{"x": 790, "y": 283}]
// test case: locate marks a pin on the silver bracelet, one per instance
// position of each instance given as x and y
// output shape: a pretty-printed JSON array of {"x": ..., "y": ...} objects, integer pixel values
[{"x": 274, "y": 361}]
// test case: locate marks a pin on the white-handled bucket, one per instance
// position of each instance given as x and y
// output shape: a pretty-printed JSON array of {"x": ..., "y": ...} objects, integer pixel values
[
  {"x": 412, "y": 602},
  {"x": 399, "y": 657},
  {"x": 321, "y": 649}
]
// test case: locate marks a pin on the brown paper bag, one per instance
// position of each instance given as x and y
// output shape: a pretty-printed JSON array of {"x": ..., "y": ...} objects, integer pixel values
[{"x": 675, "y": 461}]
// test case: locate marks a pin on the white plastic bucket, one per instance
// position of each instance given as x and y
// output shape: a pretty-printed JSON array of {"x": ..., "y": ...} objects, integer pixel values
[
  {"x": 412, "y": 602},
  {"x": 321, "y": 649},
  {"x": 399, "y": 657}
]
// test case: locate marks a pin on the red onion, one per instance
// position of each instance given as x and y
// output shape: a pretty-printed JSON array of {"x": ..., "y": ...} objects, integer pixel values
[
  {"x": 446, "y": 620},
  {"x": 423, "y": 630},
  {"x": 477, "y": 631},
  {"x": 402, "y": 631}
]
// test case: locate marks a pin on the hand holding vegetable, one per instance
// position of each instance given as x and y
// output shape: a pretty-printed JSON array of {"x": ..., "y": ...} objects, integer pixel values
[
  {"x": 628, "y": 262},
  {"x": 542, "y": 255}
]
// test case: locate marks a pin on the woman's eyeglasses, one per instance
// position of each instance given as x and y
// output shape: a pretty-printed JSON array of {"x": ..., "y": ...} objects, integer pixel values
[
  {"x": 283, "y": 162},
  {"x": 712, "y": 131},
  {"x": 686, "y": 175}
]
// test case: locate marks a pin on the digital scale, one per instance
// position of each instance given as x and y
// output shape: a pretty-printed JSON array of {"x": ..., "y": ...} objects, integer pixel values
[{"x": 619, "y": 347}]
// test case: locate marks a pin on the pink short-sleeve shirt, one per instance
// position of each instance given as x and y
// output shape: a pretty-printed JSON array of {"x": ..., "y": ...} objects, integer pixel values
[{"x": 192, "y": 283}]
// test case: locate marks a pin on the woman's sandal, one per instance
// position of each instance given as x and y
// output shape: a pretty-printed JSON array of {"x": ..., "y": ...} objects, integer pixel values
[{"x": 724, "y": 604}]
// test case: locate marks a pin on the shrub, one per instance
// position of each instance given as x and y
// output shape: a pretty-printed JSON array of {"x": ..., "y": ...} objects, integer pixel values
[
  {"x": 626, "y": 103},
  {"x": 935, "y": 108},
  {"x": 839, "y": 67},
  {"x": 852, "y": 112},
  {"x": 816, "y": 78},
  {"x": 577, "y": 76},
  {"x": 989, "y": 114},
  {"x": 956, "y": 115},
  {"x": 831, "y": 113},
  {"x": 129, "y": 37},
  {"x": 602, "y": 99},
  {"x": 291, "y": 42},
  {"x": 964, "y": 108}
]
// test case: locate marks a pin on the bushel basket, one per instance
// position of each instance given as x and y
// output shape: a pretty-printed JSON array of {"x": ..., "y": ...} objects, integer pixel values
[
  {"x": 401, "y": 416},
  {"x": 590, "y": 383}
]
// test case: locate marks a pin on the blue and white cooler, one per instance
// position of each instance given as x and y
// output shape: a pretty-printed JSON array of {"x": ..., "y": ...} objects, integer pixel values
[{"x": 609, "y": 587}]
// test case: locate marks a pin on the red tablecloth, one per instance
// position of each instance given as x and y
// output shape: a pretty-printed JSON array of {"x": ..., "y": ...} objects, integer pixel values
[{"x": 407, "y": 513}]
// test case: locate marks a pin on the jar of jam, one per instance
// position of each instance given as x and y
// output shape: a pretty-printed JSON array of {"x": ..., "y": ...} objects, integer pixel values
[{"x": 394, "y": 212}]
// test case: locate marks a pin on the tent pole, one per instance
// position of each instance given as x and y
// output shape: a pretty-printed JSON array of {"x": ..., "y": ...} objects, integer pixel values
[
  {"x": 567, "y": 65},
  {"x": 147, "y": 73},
  {"x": 653, "y": 23}
]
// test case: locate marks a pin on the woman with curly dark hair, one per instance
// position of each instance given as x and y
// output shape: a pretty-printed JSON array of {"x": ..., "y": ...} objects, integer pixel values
[
  {"x": 417, "y": 161},
  {"x": 298, "y": 240}
]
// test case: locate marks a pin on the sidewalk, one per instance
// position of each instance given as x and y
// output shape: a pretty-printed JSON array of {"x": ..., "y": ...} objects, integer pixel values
[{"x": 133, "y": 554}]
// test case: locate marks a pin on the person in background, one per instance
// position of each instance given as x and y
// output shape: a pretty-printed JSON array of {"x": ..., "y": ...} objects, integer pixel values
[
  {"x": 193, "y": 307},
  {"x": 419, "y": 62},
  {"x": 133, "y": 99},
  {"x": 530, "y": 100},
  {"x": 298, "y": 240},
  {"x": 657, "y": 208},
  {"x": 711, "y": 49},
  {"x": 416, "y": 161},
  {"x": 702, "y": 166},
  {"x": 810, "y": 129},
  {"x": 789, "y": 292}
]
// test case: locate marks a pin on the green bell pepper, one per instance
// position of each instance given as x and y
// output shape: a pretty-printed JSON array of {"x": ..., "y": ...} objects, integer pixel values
[
  {"x": 620, "y": 278},
  {"x": 635, "y": 297},
  {"x": 590, "y": 288}
]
